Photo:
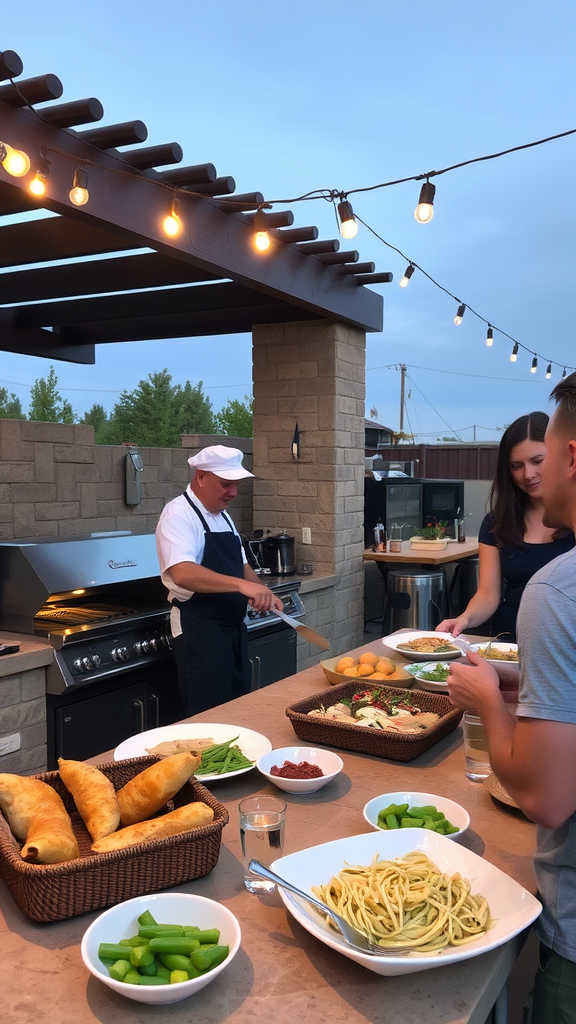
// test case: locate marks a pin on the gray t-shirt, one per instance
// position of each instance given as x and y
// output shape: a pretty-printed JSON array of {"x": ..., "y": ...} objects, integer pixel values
[{"x": 547, "y": 644}]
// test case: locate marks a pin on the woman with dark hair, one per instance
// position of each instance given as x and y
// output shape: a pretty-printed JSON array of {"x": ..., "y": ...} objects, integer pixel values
[{"x": 513, "y": 542}]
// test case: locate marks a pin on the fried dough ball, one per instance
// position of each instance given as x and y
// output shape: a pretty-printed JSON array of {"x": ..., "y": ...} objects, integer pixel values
[
  {"x": 378, "y": 676},
  {"x": 368, "y": 659},
  {"x": 386, "y": 666},
  {"x": 344, "y": 663},
  {"x": 352, "y": 671},
  {"x": 365, "y": 670}
]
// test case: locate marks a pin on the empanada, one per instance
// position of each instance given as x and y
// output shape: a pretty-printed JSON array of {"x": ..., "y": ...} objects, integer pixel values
[
  {"x": 147, "y": 792},
  {"x": 37, "y": 815},
  {"x": 183, "y": 819},
  {"x": 94, "y": 796}
]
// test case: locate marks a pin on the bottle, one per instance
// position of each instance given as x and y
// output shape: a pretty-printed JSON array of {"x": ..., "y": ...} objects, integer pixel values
[{"x": 379, "y": 543}]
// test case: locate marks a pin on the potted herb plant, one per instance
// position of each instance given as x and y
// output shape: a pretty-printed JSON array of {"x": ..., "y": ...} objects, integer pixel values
[{"x": 432, "y": 536}]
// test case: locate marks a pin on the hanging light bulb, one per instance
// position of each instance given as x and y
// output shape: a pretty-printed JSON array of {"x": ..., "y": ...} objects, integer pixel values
[
  {"x": 37, "y": 185},
  {"x": 425, "y": 209},
  {"x": 514, "y": 353},
  {"x": 261, "y": 240},
  {"x": 79, "y": 192},
  {"x": 348, "y": 225},
  {"x": 563, "y": 373},
  {"x": 489, "y": 337},
  {"x": 172, "y": 224},
  {"x": 407, "y": 275},
  {"x": 459, "y": 314},
  {"x": 15, "y": 161},
  {"x": 548, "y": 371},
  {"x": 534, "y": 366}
]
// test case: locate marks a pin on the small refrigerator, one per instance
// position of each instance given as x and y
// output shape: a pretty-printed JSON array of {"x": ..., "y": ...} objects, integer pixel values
[{"x": 410, "y": 503}]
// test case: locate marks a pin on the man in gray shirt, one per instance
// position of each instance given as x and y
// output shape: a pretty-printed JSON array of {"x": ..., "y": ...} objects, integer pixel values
[{"x": 534, "y": 755}]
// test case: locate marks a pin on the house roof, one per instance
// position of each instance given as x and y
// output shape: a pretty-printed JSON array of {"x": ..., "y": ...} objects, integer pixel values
[{"x": 107, "y": 272}]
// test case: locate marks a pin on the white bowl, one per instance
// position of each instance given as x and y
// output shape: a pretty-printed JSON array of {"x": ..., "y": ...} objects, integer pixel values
[
  {"x": 512, "y": 907},
  {"x": 395, "y": 639},
  {"x": 499, "y": 647},
  {"x": 454, "y": 812},
  {"x": 330, "y": 764},
  {"x": 121, "y": 922}
]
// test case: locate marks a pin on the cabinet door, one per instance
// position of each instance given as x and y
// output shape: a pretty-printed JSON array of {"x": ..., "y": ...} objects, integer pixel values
[
  {"x": 163, "y": 704},
  {"x": 272, "y": 657},
  {"x": 83, "y": 728}
]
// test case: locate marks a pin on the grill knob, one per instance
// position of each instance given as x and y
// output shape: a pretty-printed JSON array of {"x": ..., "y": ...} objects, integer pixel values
[
  {"x": 138, "y": 649},
  {"x": 95, "y": 661},
  {"x": 120, "y": 654},
  {"x": 78, "y": 664},
  {"x": 154, "y": 644},
  {"x": 146, "y": 646},
  {"x": 86, "y": 664}
]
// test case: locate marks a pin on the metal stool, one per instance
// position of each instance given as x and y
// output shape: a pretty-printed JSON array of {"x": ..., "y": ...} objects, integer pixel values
[{"x": 415, "y": 599}]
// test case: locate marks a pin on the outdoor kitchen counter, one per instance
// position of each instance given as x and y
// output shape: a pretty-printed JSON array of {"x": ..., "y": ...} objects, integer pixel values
[
  {"x": 282, "y": 973},
  {"x": 35, "y": 652}
]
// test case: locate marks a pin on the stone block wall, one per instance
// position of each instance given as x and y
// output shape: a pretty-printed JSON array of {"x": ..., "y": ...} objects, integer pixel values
[{"x": 23, "y": 710}]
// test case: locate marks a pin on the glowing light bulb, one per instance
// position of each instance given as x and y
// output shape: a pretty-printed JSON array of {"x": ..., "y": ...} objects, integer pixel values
[
  {"x": 15, "y": 161},
  {"x": 489, "y": 337},
  {"x": 79, "y": 192},
  {"x": 459, "y": 314},
  {"x": 172, "y": 225},
  {"x": 548, "y": 371},
  {"x": 514, "y": 353},
  {"x": 425, "y": 209},
  {"x": 407, "y": 275},
  {"x": 348, "y": 225},
  {"x": 262, "y": 241},
  {"x": 534, "y": 366},
  {"x": 38, "y": 184}
]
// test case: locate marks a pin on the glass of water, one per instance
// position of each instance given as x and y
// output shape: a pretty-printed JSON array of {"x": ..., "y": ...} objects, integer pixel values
[
  {"x": 475, "y": 748},
  {"x": 262, "y": 836}
]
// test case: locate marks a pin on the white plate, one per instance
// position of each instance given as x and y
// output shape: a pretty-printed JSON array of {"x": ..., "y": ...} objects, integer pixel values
[
  {"x": 418, "y": 668},
  {"x": 455, "y": 813},
  {"x": 499, "y": 647},
  {"x": 512, "y": 907},
  {"x": 252, "y": 744},
  {"x": 394, "y": 639}
]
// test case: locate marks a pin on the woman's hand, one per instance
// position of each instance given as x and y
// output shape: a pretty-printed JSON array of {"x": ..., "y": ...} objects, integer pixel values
[{"x": 454, "y": 626}]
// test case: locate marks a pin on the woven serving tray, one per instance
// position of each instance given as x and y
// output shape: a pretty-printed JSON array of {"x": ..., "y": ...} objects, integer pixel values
[
  {"x": 52, "y": 892},
  {"x": 363, "y": 740}
]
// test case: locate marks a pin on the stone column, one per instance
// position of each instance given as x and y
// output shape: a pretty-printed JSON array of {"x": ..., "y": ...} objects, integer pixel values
[{"x": 313, "y": 374}]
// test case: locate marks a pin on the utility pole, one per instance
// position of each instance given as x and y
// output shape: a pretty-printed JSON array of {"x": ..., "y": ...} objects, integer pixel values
[{"x": 402, "y": 384}]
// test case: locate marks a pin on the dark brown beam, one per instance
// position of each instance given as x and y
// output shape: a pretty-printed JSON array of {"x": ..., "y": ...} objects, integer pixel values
[
  {"x": 146, "y": 270},
  {"x": 268, "y": 221},
  {"x": 65, "y": 115},
  {"x": 14, "y": 200},
  {"x": 153, "y": 156},
  {"x": 10, "y": 65},
  {"x": 317, "y": 248},
  {"x": 219, "y": 187},
  {"x": 331, "y": 259},
  {"x": 31, "y": 90},
  {"x": 297, "y": 234},
  {"x": 48, "y": 344},
  {"x": 241, "y": 202},
  {"x": 57, "y": 238},
  {"x": 200, "y": 174},
  {"x": 383, "y": 278},
  {"x": 112, "y": 135},
  {"x": 357, "y": 268}
]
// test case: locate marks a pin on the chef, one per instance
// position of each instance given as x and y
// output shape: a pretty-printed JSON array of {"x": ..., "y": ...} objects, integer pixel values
[{"x": 209, "y": 582}]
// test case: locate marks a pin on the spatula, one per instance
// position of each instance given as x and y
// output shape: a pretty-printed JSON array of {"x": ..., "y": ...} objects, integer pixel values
[{"x": 309, "y": 634}]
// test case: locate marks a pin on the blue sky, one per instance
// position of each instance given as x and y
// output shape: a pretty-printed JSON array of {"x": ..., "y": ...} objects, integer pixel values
[{"x": 290, "y": 97}]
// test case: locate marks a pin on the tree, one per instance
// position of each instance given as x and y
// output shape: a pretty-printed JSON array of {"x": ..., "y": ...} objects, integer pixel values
[
  {"x": 157, "y": 412},
  {"x": 10, "y": 406},
  {"x": 96, "y": 417},
  {"x": 235, "y": 419},
  {"x": 47, "y": 405}
]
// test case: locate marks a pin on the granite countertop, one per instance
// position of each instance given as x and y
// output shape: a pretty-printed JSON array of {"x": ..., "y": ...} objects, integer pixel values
[{"x": 35, "y": 652}]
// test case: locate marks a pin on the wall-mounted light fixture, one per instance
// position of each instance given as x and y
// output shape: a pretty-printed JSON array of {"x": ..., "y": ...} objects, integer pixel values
[{"x": 296, "y": 444}]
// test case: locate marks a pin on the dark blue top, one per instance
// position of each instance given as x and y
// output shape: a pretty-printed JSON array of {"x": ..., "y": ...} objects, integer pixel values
[{"x": 518, "y": 565}]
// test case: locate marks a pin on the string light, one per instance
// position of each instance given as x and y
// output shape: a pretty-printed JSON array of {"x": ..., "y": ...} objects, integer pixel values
[
  {"x": 459, "y": 314},
  {"x": 534, "y": 366},
  {"x": 37, "y": 185},
  {"x": 548, "y": 371},
  {"x": 425, "y": 209},
  {"x": 348, "y": 225},
  {"x": 79, "y": 192},
  {"x": 261, "y": 239},
  {"x": 564, "y": 373},
  {"x": 489, "y": 337},
  {"x": 514, "y": 353},
  {"x": 172, "y": 224},
  {"x": 407, "y": 275},
  {"x": 15, "y": 161}
]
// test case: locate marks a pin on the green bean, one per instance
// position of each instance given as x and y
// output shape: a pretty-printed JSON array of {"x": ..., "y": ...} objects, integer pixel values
[
  {"x": 141, "y": 956},
  {"x": 112, "y": 951},
  {"x": 174, "y": 961},
  {"x": 428, "y": 817},
  {"x": 155, "y": 980},
  {"x": 136, "y": 940},
  {"x": 146, "y": 918},
  {"x": 119, "y": 969},
  {"x": 152, "y": 931},
  {"x": 174, "y": 944},
  {"x": 176, "y": 976},
  {"x": 206, "y": 959},
  {"x": 133, "y": 978}
]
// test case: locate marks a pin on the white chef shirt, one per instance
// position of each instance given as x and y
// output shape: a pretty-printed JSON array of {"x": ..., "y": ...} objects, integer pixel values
[{"x": 180, "y": 538}]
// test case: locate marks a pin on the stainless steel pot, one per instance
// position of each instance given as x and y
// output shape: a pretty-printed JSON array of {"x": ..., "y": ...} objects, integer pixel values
[{"x": 278, "y": 554}]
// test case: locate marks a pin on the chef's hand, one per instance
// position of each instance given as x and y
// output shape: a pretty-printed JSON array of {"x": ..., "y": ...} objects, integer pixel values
[
  {"x": 260, "y": 597},
  {"x": 454, "y": 626},
  {"x": 473, "y": 685}
]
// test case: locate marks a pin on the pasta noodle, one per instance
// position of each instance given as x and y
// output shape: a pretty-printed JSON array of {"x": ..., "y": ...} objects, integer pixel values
[
  {"x": 407, "y": 902},
  {"x": 427, "y": 645}
]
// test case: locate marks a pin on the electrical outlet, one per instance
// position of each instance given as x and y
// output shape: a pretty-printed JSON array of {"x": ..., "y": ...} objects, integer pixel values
[
  {"x": 8, "y": 744},
  {"x": 306, "y": 535}
]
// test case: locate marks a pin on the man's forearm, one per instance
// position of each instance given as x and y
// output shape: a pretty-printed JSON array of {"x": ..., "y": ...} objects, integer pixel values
[{"x": 199, "y": 579}]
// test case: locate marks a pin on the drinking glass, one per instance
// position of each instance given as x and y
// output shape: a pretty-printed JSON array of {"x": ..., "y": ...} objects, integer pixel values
[
  {"x": 395, "y": 538},
  {"x": 475, "y": 748},
  {"x": 262, "y": 821}
]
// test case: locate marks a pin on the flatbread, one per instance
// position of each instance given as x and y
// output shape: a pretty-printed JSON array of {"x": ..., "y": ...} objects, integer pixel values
[{"x": 169, "y": 747}]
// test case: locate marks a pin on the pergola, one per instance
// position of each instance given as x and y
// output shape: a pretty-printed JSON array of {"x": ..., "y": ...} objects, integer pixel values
[{"x": 107, "y": 272}]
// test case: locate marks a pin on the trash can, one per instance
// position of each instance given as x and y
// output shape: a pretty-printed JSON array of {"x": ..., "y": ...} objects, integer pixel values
[{"x": 415, "y": 600}]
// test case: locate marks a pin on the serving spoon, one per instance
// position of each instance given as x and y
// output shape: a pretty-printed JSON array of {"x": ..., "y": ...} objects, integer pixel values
[{"x": 355, "y": 938}]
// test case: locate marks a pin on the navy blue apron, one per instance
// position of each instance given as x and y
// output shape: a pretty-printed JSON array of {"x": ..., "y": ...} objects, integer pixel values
[{"x": 212, "y": 653}]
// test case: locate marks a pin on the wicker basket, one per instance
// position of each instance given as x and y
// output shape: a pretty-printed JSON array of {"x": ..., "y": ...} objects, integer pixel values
[
  {"x": 395, "y": 746},
  {"x": 52, "y": 892}
]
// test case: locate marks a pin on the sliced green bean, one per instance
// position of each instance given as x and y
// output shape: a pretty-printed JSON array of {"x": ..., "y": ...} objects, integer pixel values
[
  {"x": 174, "y": 944},
  {"x": 206, "y": 959}
]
